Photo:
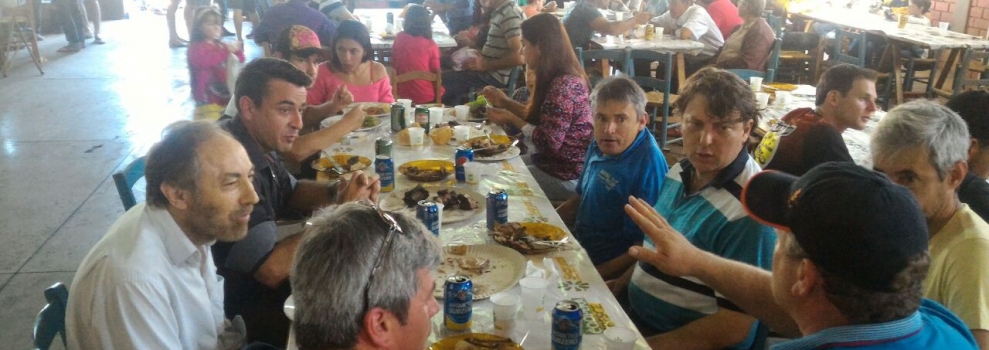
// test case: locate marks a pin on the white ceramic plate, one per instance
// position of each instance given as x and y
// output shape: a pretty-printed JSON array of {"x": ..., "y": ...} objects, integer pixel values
[
  {"x": 504, "y": 270},
  {"x": 509, "y": 154},
  {"x": 393, "y": 202}
]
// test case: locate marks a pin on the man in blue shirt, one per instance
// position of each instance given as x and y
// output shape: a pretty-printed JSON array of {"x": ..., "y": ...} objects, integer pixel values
[
  {"x": 623, "y": 160},
  {"x": 849, "y": 265}
]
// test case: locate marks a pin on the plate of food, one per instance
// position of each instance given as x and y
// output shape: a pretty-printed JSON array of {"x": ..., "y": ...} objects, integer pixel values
[
  {"x": 376, "y": 109},
  {"x": 491, "y": 267},
  {"x": 458, "y": 204},
  {"x": 478, "y": 110},
  {"x": 370, "y": 123},
  {"x": 350, "y": 163},
  {"x": 427, "y": 170},
  {"x": 529, "y": 237},
  {"x": 475, "y": 341},
  {"x": 486, "y": 148},
  {"x": 773, "y": 87}
]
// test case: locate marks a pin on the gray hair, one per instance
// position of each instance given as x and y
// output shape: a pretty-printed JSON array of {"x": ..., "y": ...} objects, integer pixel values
[
  {"x": 622, "y": 90},
  {"x": 753, "y": 8},
  {"x": 174, "y": 160},
  {"x": 333, "y": 264},
  {"x": 935, "y": 128}
]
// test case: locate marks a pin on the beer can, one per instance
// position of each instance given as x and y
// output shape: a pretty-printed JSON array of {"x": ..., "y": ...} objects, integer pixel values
[
  {"x": 567, "y": 333},
  {"x": 422, "y": 117},
  {"x": 397, "y": 117},
  {"x": 497, "y": 203},
  {"x": 458, "y": 302},
  {"x": 385, "y": 168},
  {"x": 382, "y": 146},
  {"x": 650, "y": 33},
  {"x": 429, "y": 213},
  {"x": 463, "y": 155}
]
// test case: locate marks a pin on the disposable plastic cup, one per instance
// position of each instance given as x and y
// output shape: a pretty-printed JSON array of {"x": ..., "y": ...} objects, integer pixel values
[
  {"x": 942, "y": 27},
  {"x": 462, "y": 111},
  {"x": 755, "y": 83},
  {"x": 416, "y": 135},
  {"x": 620, "y": 338},
  {"x": 762, "y": 99},
  {"x": 461, "y": 133},
  {"x": 505, "y": 307},
  {"x": 435, "y": 115},
  {"x": 473, "y": 172},
  {"x": 619, "y": 16},
  {"x": 783, "y": 98},
  {"x": 533, "y": 292},
  {"x": 407, "y": 103}
]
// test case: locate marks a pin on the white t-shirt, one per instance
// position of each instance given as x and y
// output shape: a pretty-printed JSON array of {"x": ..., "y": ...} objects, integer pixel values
[{"x": 700, "y": 24}]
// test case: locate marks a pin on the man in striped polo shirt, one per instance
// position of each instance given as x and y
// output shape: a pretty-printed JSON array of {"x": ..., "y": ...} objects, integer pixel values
[
  {"x": 700, "y": 198},
  {"x": 499, "y": 55}
]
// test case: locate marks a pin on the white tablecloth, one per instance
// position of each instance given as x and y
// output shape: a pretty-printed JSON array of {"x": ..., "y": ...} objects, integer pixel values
[
  {"x": 527, "y": 202},
  {"x": 929, "y": 37},
  {"x": 661, "y": 43},
  {"x": 379, "y": 22}
]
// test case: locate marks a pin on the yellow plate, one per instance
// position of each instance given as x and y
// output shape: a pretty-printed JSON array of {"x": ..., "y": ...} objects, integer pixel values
[
  {"x": 544, "y": 231},
  {"x": 323, "y": 165},
  {"x": 779, "y": 86},
  {"x": 428, "y": 164},
  {"x": 450, "y": 343}
]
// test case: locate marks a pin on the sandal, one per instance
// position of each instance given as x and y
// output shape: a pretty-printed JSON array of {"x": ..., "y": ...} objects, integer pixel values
[
  {"x": 98, "y": 41},
  {"x": 70, "y": 48}
]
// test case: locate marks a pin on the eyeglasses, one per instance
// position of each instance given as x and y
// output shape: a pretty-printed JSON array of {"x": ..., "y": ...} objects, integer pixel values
[{"x": 389, "y": 220}]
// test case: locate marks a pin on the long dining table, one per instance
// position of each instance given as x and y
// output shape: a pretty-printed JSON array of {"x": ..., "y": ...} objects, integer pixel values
[
  {"x": 571, "y": 273},
  {"x": 911, "y": 35},
  {"x": 382, "y": 41},
  {"x": 660, "y": 43}
]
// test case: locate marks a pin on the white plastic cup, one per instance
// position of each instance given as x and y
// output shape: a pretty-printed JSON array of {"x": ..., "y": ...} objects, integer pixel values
[
  {"x": 462, "y": 111},
  {"x": 620, "y": 338},
  {"x": 435, "y": 115},
  {"x": 783, "y": 98},
  {"x": 658, "y": 36},
  {"x": 461, "y": 133},
  {"x": 533, "y": 291},
  {"x": 505, "y": 307},
  {"x": 942, "y": 28},
  {"x": 407, "y": 103},
  {"x": 416, "y": 136},
  {"x": 472, "y": 171},
  {"x": 762, "y": 99},
  {"x": 755, "y": 83},
  {"x": 619, "y": 16},
  {"x": 608, "y": 39}
]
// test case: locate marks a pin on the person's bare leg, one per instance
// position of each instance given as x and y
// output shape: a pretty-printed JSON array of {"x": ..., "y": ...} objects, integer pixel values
[
  {"x": 95, "y": 15},
  {"x": 188, "y": 13},
  {"x": 173, "y": 35},
  {"x": 84, "y": 11},
  {"x": 239, "y": 23}
]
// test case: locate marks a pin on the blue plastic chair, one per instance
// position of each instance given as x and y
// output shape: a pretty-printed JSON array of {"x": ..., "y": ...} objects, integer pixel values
[
  {"x": 125, "y": 180},
  {"x": 661, "y": 83},
  {"x": 613, "y": 55},
  {"x": 51, "y": 320}
]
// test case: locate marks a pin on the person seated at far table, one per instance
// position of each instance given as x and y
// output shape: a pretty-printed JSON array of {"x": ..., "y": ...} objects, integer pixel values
[
  {"x": 150, "y": 282},
  {"x": 623, "y": 160},
  {"x": 848, "y": 268},
  {"x": 973, "y": 107},
  {"x": 535, "y": 7},
  {"x": 701, "y": 199},
  {"x": 272, "y": 95},
  {"x": 457, "y": 14},
  {"x": 687, "y": 21},
  {"x": 924, "y": 147},
  {"x": 725, "y": 14},
  {"x": 586, "y": 19},
  {"x": 290, "y": 13},
  {"x": 351, "y": 66},
  {"x": 300, "y": 46},
  {"x": 751, "y": 44},
  {"x": 806, "y": 137},
  {"x": 335, "y": 10},
  {"x": 363, "y": 279},
  {"x": 499, "y": 54},
  {"x": 418, "y": 52},
  {"x": 557, "y": 118}
]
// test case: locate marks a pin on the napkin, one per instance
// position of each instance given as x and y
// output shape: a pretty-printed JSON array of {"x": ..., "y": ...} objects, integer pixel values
[{"x": 547, "y": 271}]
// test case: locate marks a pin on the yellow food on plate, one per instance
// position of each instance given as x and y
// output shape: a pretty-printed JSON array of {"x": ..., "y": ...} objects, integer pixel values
[{"x": 442, "y": 135}]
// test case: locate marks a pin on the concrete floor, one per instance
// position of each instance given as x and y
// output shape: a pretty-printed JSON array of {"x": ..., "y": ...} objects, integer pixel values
[{"x": 61, "y": 136}]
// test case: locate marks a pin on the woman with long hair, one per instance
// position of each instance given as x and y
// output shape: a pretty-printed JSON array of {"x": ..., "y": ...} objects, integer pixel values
[
  {"x": 419, "y": 52},
  {"x": 351, "y": 66},
  {"x": 557, "y": 118}
]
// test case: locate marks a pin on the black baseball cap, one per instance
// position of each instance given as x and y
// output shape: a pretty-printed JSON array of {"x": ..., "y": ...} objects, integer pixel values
[{"x": 851, "y": 221}]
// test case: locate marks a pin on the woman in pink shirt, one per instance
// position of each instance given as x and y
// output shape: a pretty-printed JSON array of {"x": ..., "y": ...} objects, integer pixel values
[
  {"x": 351, "y": 65},
  {"x": 419, "y": 52}
]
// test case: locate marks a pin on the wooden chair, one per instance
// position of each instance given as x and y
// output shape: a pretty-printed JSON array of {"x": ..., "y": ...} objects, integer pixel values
[
  {"x": 17, "y": 29},
  {"x": 843, "y": 54},
  {"x": 51, "y": 320},
  {"x": 604, "y": 58},
  {"x": 912, "y": 66},
  {"x": 972, "y": 71},
  {"x": 769, "y": 75},
  {"x": 125, "y": 180},
  {"x": 801, "y": 55},
  {"x": 658, "y": 94},
  {"x": 436, "y": 78}
]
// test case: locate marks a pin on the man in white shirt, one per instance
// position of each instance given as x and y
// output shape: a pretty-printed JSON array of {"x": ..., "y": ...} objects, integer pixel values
[
  {"x": 150, "y": 283},
  {"x": 687, "y": 21}
]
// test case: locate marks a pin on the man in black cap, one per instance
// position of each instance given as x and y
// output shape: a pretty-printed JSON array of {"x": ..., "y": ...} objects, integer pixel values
[{"x": 848, "y": 268}]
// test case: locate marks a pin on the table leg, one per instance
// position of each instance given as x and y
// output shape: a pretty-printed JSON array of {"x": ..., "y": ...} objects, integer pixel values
[
  {"x": 681, "y": 69},
  {"x": 897, "y": 66},
  {"x": 949, "y": 64},
  {"x": 605, "y": 67}
]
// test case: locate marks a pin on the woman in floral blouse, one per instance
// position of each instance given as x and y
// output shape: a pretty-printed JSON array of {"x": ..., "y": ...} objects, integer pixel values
[{"x": 557, "y": 118}]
